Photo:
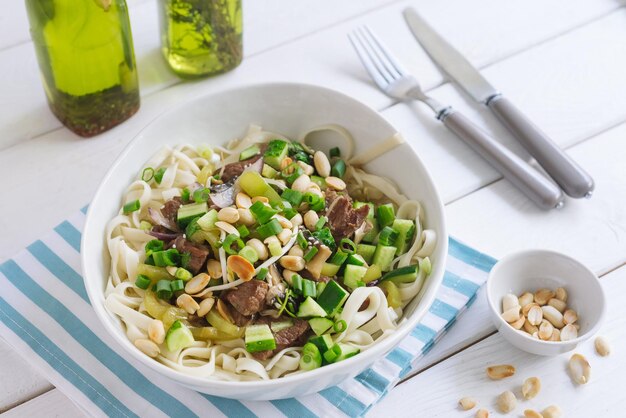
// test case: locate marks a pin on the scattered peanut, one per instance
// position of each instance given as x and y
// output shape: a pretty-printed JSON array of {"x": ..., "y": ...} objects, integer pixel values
[
  {"x": 197, "y": 284},
  {"x": 223, "y": 310},
  {"x": 482, "y": 413},
  {"x": 243, "y": 201},
  {"x": 156, "y": 331},
  {"x": 467, "y": 403},
  {"x": 310, "y": 219},
  {"x": 570, "y": 316},
  {"x": 535, "y": 315},
  {"x": 551, "y": 314},
  {"x": 322, "y": 165},
  {"x": 525, "y": 299},
  {"x": 552, "y": 411},
  {"x": 284, "y": 236},
  {"x": 226, "y": 227},
  {"x": 240, "y": 266},
  {"x": 531, "y": 413},
  {"x": 602, "y": 346},
  {"x": 556, "y": 335},
  {"x": 259, "y": 248},
  {"x": 531, "y": 387},
  {"x": 509, "y": 301},
  {"x": 500, "y": 371},
  {"x": 558, "y": 304},
  {"x": 569, "y": 332},
  {"x": 296, "y": 220},
  {"x": 526, "y": 308},
  {"x": 230, "y": 215},
  {"x": 542, "y": 296},
  {"x": 214, "y": 268},
  {"x": 147, "y": 347},
  {"x": 506, "y": 402},
  {"x": 246, "y": 217},
  {"x": 187, "y": 303},
  {"x": 579, "y": 369},
  {"x": 529, "y": 328},
  {"x": 512, "y": 314},
  {"x": 292, "y": 262},
  {"x": 307, "y": 169},
  {"x": 335, "y": 183},
  {"x": 561, "y": 294},
  {"x": 296, "y": 250},
  {"x": 261, "y": 199},
  {"x": 284, "y": 222},
  {"x": 205, "y": 306},
  {"x": 519, "y": 323},
  {"x": 301, "y": 184},
  {"x": 545, "y": 330}
]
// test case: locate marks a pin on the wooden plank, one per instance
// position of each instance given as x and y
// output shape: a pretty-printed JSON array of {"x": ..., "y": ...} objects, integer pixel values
[
  {"x": 325, "y": 57},
  {"x": 50, "y": 404},
  {"x": 437, "y": 390},
  {"x": 20, "y": 380}
]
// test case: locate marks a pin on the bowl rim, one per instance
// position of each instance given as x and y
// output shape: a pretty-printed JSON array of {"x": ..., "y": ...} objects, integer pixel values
[
  {"x": 368, "y": 357},
  {"x": 529, "y": 254}
]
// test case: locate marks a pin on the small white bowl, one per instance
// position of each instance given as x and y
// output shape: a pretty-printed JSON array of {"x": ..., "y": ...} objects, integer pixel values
[{"x": 527, "y": 271}]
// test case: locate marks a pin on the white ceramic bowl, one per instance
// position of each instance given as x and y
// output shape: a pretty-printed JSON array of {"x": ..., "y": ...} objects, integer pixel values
[
  {"x": 290, "y": 109},
  {"x": 530, "y": 270}
]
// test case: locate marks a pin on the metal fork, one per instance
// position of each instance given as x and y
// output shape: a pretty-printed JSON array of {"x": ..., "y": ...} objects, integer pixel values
[{"x": 396, "y": 82}]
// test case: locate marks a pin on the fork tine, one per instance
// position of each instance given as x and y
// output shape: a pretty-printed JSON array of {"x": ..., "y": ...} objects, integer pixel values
[
  {"x": 393, "y": 64},
  {"x": 374, "y": 56},
  {"x": 367, "y": 61}
]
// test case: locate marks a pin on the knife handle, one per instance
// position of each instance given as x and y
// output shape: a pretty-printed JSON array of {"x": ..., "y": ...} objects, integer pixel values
[
  {"x": 574, "y": 181},
  {"x": 534, "y": 185}
]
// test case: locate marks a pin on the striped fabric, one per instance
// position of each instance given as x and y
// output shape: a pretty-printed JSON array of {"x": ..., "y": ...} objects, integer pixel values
[{"x": 46, "y": 316}]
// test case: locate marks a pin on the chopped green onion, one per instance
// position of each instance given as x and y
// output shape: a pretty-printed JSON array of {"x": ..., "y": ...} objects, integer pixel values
[
  {"x": 296, "y": 283},
  {"x": 228, "y": 244},
  {"x": 262, "y": 274},
  {"x": 320, "y": 287},
  {"x": 310, "y": 254},
  {"x": 131, "y": 206},
  {"x": 177, "y": 285},
  {"x": 142, "y": 282},
  {"x": 340, "y": 326},
  {"x": 319, "y": 181},
  {"x": 302, "y": 242},
  {"x": 325, "y": 237},
  {"x": 145, "y": 225},
  {"x": 347, "y": 246},
  {"x": 243, "y": 231},
  {"x": 332, "y": 354},
  {"x": 185, "y": 194},
  {"x": 183, "y": 274},
  {"x": 269, "y": 229},
  {"x": 339, "y": 169},
  {"x": 292, "y": 196},
  {"x": 308, "y": 288},
  {"x": 321, "y": 222},
  {"x": 147, "y": 174},
  {"x": 289, "y": 213},
  {"x": 311, "y": 357},
  {"x": 425, "y": 265},
  {"x": 158, "y": 175},
  {"x": 166, "y": 258},
  {"x": 338, "y": 258},
  {"x": 385, "y": 215},
  {"x": 201, "y": 195},
  {"x": 315, "y": 202},
  {"x": 153, "y": 246},
  {"x": 335, "y": 152},
  {"x": 261, "y": 212},
  {"x": 292, "y": 172},
  {"x": 249, "y": 254},
  {"x": 164, "y": 289},
  {"x": 387, "y": 236}
]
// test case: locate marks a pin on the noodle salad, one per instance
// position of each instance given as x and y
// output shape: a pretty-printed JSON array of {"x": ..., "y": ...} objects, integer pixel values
[{"x": 263, "y": 258}]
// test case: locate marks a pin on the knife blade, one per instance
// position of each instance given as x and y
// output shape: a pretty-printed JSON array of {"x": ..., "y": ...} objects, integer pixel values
[
  {"x": 455, "y": 65},
  {"x": 574, "y": 181}
]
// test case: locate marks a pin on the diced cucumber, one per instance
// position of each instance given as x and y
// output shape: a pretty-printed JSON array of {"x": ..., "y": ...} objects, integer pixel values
[
  {"x": 406, "y": 230},
  {"x": 249, "y": 152},
  {"x": 373, "y": 273},
  {"x": 187, "y": 213},
  {"x": 207, "y": 221},
  {"x": 372, "y": 233},
  {"x": 366, "y": 251},
  {"x": 383, "y": 256},
  {"x": 194, "y": 232},
  {"x": 268, "y": 172},
  {"x": 178, "y": 336},
  {"x": 320, "y": 325},
  {"x": 329, "y": 270},
  {"x": 353, "y": 275},
  {"x": 276, "y": 151},
  {"x": 259, "y": 338},
  {"x": 323, "y": 342},
  {"x": 332, "y": 297},
  {"x": 355, "y": 259},
  {"x": 388, "y": 236},
  {"x": 406, "y": 274},
  {"x": 281, "y": 325},
  {"x": 385, "y": 215},
  {"x": 310, "y": 308}
]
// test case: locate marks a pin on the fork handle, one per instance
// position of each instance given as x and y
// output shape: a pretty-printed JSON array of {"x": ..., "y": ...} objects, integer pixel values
[
  {"x": 539, "y": 189},
  {"x": 565, "y": 171}
]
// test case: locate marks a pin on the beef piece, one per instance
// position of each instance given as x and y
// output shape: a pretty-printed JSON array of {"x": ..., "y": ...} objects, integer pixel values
[
  {"x": 307, "y": 275},
  {"x": 295, "y": 335},
  {"x": 197, "y": 253},
  {"x": 234, "y": 170},
  {"x": 239, "y": 319},
  {"x": 248, "y": 298},
  {"x": 163, "y": 233},
  {"x": 343, "y": 219},
  {"x": 197, "y": 321},
  {"x": 170, "y": 209}
]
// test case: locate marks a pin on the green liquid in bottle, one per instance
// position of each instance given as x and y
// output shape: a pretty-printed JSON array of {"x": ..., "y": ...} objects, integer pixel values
[
  {"x": 87, "y": 62},
  {"x": 201, "y": 37}
]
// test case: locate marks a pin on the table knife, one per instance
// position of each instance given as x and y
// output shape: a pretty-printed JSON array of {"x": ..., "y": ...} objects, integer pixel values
[{"x": 574, "y": 181}]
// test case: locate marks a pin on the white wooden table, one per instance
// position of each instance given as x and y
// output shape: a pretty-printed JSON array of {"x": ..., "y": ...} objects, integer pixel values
[{"x": 562, "y": 61}]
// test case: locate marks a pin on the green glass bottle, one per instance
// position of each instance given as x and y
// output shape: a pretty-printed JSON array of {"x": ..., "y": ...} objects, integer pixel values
[
  {"x": 201, "y": 37},
  {"x": 87, "y": 62}
]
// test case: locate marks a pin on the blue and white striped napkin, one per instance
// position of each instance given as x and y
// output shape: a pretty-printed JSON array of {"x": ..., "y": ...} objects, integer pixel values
[{"x": 46, "y": 316}]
